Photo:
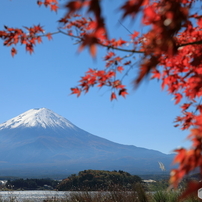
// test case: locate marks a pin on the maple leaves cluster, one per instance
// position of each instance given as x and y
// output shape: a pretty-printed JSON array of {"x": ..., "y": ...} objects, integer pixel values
[
  {"x": 104, "y": 77},
  {"x": 171, "y": 51},
  {"x": 53, "y": 4},
  {"x": 90, "y": 33},
  {"x": 29, "y": 38},
  {"x": 181, "y": 75}
]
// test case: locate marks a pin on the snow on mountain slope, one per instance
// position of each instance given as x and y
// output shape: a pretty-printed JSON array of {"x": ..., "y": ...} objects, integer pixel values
[{"x": 37, "y": 117}]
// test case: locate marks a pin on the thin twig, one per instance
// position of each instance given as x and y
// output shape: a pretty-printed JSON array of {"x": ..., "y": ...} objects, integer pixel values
[{"x": 125, "y": 27}]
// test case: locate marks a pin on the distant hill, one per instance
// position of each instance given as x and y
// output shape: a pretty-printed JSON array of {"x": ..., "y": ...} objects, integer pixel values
[
  {"x": 41, "y": 142},
  {"x": 94, "y": 180}
]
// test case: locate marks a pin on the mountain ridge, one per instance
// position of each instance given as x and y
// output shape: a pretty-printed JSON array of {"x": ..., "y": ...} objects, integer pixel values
[{"x": 41, "y": 138}]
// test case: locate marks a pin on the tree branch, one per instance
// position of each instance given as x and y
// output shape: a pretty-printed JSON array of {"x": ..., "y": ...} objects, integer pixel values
[
  {"x": 107, "y": 46},
  {"x": 191, "y": 43},
  {"x": 115, "y": 48}
]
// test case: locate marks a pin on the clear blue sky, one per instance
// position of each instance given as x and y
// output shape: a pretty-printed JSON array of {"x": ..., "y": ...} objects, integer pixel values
[{"x": 43, "y": 79}]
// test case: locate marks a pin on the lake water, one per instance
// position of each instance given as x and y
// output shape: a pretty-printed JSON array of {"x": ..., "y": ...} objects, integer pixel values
[{"x": 35, "y": 196}]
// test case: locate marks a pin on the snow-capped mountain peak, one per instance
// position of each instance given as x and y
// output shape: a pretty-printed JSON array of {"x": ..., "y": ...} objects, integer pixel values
[{"x": 37, "y": 117}]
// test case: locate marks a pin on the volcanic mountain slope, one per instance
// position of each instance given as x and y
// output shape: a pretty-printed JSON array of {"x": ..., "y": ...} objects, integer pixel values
[{"x": 40, "y": 140}]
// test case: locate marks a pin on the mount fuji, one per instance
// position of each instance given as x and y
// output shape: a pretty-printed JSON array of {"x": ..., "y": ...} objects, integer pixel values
[{"x": 40, "y": 142}]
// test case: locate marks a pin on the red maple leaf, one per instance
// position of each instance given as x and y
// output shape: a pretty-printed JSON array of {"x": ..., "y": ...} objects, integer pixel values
[
  {"x": 54, "y": 7},
  {"x": 39, "y": 3},
  {"x": 73, "y": 6},
  {"x": 13, "y": 52},
  {"x": 29, "y": 48},
  {"x": 123, "y": 92},
  {"x": 178, "y": 98},
  {"x": 131, "y": 7},
  {"x": 49, "y": 36},
  {"x": 134, "y": 35},
  {"x": 199, "y": 22},
  {"x": 91, "y": 41},
  {"x": 109, "y": 55},
  {"x": 76, "y": 91},
  {"x": 127, "y": 63},
  {"x": 185, "y": 106},
  {"x": 120, "y": 68},
  {"x": 113, "y": 96}
]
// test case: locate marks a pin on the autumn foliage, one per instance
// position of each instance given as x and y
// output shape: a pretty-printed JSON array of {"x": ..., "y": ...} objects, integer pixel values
[{"x": 171, "y": 51}]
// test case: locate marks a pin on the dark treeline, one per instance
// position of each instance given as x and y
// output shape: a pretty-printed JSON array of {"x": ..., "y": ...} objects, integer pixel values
[
  {"x": 85, "y": 180},
  {"x": 32, "y": 184},
  {"x": 98, "y": 180}
]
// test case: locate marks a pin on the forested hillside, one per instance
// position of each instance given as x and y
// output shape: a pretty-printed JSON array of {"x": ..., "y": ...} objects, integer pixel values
[{"x": 98, "y": 180}]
